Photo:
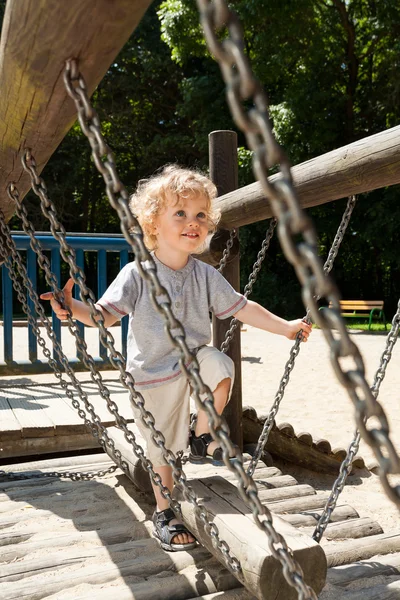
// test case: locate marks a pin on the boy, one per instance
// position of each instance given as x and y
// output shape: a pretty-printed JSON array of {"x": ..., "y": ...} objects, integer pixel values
[{"x": 175, "y": 211}]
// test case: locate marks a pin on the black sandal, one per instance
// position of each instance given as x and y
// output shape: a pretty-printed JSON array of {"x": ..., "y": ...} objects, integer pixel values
[
  {"x": 164, "y": 532},
  {"x": 198, "y": 451}
]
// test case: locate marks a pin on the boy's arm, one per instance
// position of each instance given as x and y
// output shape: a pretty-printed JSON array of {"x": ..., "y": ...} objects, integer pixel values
[
  {"x": 258, "y": 316},
  {"x": 80, "y": 311}
]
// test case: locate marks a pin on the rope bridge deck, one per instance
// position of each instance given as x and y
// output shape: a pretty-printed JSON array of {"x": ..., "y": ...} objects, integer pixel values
[{"x": 57, "y": 539}]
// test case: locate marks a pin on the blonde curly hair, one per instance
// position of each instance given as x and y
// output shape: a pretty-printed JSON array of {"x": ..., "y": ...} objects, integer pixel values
[{"x": 171, "y": 183}]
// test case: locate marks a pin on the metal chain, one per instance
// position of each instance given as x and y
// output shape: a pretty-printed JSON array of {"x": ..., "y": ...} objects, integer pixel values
[
  {"x": 295, "y": 349},
  {"x": 69, "y": 255},
  {"x": 73, "y": 475},
  {"x": 227, "y": 251},
  {"x": 94, "y": 425},
  {"x": 249, "y": 286},
  {"x": 126, "y": 378},
  {"x": 118, "y": 197},
  {"x": 345, "y": 467},
  {"x": 293, "y": 221}
]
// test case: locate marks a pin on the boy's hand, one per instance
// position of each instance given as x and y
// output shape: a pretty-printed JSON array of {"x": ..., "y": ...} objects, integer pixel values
[
  {"x": 61, "y": 313},
  {"x": 297, "y": 325}
]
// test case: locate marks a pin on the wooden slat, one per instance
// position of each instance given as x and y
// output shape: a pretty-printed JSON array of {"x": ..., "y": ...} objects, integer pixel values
[
  {"x": 350, "y": 529},
  {"x": 350, "y": 551},
  {"x": 140, "y": 569},
  {"x": 31, "y": 416},
  {"x": 10, "y": 427},
  {"x": 341, "y": 513},
  {"x": 47, "y": 445},
  {"x": 378, "y": 565},
  {"x": 37, "y": 38},
  {"x": 297, "y": 505}
]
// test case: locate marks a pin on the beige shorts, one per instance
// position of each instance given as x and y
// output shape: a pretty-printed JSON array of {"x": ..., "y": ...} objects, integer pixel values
[{"x": 170, "y": 403}]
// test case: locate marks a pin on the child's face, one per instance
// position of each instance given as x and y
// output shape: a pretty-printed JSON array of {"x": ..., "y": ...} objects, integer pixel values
[{"x": 182, "y": 226}]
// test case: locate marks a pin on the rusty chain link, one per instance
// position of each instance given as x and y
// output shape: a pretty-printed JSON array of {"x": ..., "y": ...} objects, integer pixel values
[
  {"x": 227, "y": 250},
  {"x": 249, "y": 286},
  {"x": 295, "y": 349},
  {"x": 118, "y": 197},
  {"x": 73, "y": 475},
  {"x": 118, "y": 362},
  {"x": 345, "y": 467}
]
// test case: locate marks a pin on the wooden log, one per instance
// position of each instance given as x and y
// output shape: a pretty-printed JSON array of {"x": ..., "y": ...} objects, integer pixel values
[
  {"x": 224, "y": 173},
  {"x": 341, "y": 513},
  {"x": 297, "y": 505},
  {"x": 137, "y": 474},
  {"x": 379, "y": 565},
  {"x": 351, "y": 529},
  {"x": 261, "y": 571},
  {"x": 37, "y": 38},
  {"x": 77, "y": 554},
  {"x": 84, "y": 461},
  {"x": 284, "y": 444},
  {"x": 163, "y": 588},
  {"x": 389, "y": 591},
  {"x": 294, "y": 491},
  {"x": 364, "y": 165},
  {"x": 124, "y": 592},
  {"x": 350, "y": 551}
]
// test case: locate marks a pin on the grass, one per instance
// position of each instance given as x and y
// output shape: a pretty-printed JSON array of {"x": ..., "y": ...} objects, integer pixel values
[{"x": 363, "y": 326}]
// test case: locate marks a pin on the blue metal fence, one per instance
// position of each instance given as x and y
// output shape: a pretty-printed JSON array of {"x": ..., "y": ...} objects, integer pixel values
[{"x": 102, "y": 244}]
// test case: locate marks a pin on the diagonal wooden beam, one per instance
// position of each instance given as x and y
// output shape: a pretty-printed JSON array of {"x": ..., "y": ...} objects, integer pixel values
[
  {"x": 362, "y": 166},
  {"x": 37, "y": 38}
]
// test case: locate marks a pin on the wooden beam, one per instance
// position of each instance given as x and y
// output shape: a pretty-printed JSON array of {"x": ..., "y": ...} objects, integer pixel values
[
  {"x": 38, "y": 36},
  {"x": 365, "y": 165},
  {"x": 262, "y": 573}
]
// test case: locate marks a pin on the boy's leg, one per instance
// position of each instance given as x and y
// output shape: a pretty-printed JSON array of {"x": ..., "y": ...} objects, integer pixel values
[
  {"x": 217, "y": 371},
  {"x": 165, "y": 473},
  {"x": 221, "y": 395},
  {"x": 169, "y": 405}
]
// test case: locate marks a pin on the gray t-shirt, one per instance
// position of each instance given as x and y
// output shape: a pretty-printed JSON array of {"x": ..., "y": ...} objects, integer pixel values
[{"x": 195, "y": 291}]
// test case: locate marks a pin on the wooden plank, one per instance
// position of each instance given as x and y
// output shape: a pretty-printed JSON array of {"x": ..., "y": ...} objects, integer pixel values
[
  {"x": 379, "y": 565},
  {"x": 261, "y": 571},
  {"x": 47, "y": 445},
  {"x": 341, "y": 513},
  {"x": 89, "y": 461},
  {"x": 79, "y": 553},
  {"x": 37, "y": 38},
  {"x": 352, "y": 528},
  {"x": 297, "y": 505},
  {"x": 176, "y": 585},
  {"x": 389, "y": 591},
  {"x": 364, "y": 165},
  {"x": 124, "y": 592},
  {"x": 350, "y": 551},
  {"x": 10, "y": 427},
  {"x": 294, "y": 491},
  {"x": 30, "y": 414}
]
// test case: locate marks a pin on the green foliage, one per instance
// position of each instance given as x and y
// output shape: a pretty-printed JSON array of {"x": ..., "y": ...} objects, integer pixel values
[{"x": 330, "y": 68}]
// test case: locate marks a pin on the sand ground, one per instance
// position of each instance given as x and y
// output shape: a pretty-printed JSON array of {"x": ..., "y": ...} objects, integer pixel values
[{"x": 314, "y": 400}]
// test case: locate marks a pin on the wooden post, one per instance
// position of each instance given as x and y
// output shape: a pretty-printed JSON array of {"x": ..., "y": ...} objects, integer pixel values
[{"x": 224, "y": 173}]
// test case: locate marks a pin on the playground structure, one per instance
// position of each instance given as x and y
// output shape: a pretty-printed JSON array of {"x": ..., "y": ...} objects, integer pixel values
[{"x": 305, "y": 565}]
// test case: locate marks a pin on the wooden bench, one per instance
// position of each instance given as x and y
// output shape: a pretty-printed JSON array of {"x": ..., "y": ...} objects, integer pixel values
[{"x": 362, "y": 309}]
